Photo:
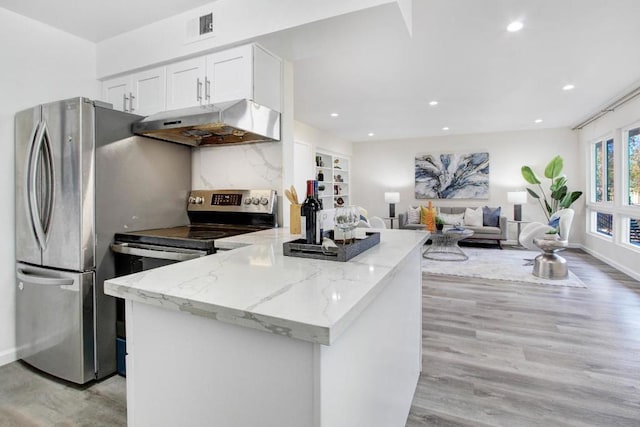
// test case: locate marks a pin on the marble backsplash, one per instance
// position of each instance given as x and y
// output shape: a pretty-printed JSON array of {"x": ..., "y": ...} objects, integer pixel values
[{"x": 253, "y": 166}]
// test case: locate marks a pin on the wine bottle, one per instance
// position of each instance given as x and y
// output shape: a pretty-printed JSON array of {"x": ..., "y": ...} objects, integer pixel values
[
  {"x": 320, "y": 215},
  {"x": 309, "y": 211}
]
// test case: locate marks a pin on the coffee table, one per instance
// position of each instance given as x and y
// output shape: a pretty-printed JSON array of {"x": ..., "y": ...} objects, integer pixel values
[{"x": 444, "y": 245}]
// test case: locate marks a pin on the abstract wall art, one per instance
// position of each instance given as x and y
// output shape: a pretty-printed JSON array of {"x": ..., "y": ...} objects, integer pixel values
[{"x": 452, "y": 176}]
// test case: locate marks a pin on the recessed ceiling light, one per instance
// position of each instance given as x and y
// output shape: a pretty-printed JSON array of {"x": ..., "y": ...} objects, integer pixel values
[
  {"x": 334, "y": 114},
  {"x": 371, "y": 134},
  {"x": 433, "y": 103},
  {"x": 514, "y": 26},
  {"x": 568, "y": 87},
  {"x": 538, "y": 120},
  {"x": 445, "y": 128}
]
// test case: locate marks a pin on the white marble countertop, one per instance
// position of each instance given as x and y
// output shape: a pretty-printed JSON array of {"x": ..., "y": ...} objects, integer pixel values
[{"x": 255, "y": 285}]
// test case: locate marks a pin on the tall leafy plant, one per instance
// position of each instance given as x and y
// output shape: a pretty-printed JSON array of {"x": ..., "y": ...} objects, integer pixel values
[{"x": 559, "y": 195}]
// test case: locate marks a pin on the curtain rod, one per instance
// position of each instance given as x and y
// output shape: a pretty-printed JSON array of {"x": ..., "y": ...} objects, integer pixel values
[{"x": 609, "y": 108}]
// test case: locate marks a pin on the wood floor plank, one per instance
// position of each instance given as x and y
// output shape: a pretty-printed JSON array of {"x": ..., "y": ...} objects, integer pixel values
[{"x": 499, "y": 353}]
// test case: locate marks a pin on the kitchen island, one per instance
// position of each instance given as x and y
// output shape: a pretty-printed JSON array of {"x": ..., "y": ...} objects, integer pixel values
[{"x": 249, "y": 337}]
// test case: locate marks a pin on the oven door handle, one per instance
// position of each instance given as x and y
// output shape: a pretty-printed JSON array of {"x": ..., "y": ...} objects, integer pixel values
[{"x": 158, "y": 252}]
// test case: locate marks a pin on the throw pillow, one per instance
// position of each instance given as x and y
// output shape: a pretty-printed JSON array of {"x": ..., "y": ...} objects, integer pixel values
[
  {"x": 473, "y": 217},
  {"x": 491, "y": 216},
  {"x": 413, "y": 215},
  {"x": 364, "y": 216},
  {"x": 424, "y": 212},
  {"x": 452, "y": 219}
]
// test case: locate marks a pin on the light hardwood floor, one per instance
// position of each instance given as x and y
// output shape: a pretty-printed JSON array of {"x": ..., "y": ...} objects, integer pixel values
[
  {"x": 511, "y": 354},
  {"x": 495, "y": 354}
]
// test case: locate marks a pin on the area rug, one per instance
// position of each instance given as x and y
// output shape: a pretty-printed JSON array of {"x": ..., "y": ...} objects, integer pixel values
[{"x": 496, "y": 264}]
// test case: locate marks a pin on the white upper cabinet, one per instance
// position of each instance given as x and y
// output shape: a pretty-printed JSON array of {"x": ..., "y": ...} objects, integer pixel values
[
  {"x": 116, "y": 92},
  {"x": 140, "y": 93},
  {"x": 230, "y": 75},
  {"x": 186, "y": 83},
  {"x": 243, "y": 72},
  {"x": 149, "y": 91}
]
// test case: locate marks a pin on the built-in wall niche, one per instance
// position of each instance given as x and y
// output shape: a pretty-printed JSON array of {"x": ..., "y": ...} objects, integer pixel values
[{"x": 332, "y": 173}]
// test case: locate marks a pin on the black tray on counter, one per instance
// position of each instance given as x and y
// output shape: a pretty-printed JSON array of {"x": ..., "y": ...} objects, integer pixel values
[{"x": 299, "y": 248}]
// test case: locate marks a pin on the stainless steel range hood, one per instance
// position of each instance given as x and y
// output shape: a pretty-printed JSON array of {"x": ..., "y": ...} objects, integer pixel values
[{"x": 233, "y": 122}]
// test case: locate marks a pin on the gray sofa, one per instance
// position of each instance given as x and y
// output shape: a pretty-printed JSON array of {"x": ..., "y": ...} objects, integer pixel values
[{"x": 479, "y": 233}]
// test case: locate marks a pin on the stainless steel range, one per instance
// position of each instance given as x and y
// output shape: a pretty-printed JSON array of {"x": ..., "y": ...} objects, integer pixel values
[{"x": 213, "y": 214}]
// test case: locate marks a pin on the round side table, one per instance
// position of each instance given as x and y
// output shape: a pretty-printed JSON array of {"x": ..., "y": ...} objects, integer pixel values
[{"x": 444, "y": 245}]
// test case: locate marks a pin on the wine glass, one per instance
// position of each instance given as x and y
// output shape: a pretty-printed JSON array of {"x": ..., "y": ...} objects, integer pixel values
[
  {"x": 341, "y": 221},
  {"x": 347, "y": 219},
  {"x": 354, "y": 220}
]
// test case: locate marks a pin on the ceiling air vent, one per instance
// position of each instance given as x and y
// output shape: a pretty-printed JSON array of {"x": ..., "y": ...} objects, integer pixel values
[{"x": 200, "y": 27}]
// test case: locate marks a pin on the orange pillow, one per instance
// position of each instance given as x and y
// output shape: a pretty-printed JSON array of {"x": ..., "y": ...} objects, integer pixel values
[
  {"x": 424, "y": 213},
  {"x": 428, "y": 217}
]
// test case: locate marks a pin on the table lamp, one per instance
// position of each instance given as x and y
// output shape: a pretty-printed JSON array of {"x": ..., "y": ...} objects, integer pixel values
[
  {"x": 518, "y": 198},
  {"x": 392, "y": 198}
]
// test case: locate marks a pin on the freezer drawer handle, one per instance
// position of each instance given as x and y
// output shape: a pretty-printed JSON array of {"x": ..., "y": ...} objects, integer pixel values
[
  {"x": 40, "y": 280},
  {"x": 154, "y": 252}
]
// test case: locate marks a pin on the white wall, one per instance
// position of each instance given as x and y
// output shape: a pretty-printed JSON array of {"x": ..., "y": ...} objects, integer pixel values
[
  {"x": 39, "y": 64},
  {"x": 389, "y": 166},
  {"x": 321, "y": 140},
  {"x": 317, "y": 139},
  {"x": 608, "y": 250},
  {"x": 234, "y": 21}
]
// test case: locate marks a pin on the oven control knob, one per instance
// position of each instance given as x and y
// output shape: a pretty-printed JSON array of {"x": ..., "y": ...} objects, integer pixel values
[
  {"x": 197, "y": 200},
  {"x": 264, "y": 201},
  {"x": 255, "y": 200},
  {"x": 247, "y": 201}
]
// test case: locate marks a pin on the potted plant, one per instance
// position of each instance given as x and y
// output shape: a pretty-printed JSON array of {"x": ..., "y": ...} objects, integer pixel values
[
  {"x": 559, "y": 195},
  {"x": 439, "y": 223}
]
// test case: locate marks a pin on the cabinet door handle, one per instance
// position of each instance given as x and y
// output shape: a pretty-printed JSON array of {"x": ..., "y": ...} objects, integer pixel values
[
  {"x": 131, "y": 98},
  {"x": 207, "y": 89},
  {"x": 124, "y": 102},
  {"x": 198, "y": 90}
]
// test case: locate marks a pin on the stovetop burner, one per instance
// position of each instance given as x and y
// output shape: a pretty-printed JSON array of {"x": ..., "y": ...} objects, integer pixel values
[
  {"x": 214, "y": 214},
  {"x": 195, "y": 236}
]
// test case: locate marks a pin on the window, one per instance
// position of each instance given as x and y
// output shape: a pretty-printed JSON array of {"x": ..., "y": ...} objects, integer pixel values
[
  {"x": 633, "y": 167},
  {"x": 603, "y": 171},
  {"x": 634, "y": 231},
  {"x": 604, "y": 224},
  {"x": 599, "y": 172},
  {"x": 617, "y": 220},
  {"x": 609, "y": 172}
]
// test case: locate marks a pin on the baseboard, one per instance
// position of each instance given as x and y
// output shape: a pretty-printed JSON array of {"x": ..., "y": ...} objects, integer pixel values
[
  {"x": 8, "y": 356},
  {"x": 612, "y": 263}
]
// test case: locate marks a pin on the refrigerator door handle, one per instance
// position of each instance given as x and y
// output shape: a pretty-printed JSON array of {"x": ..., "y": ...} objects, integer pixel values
[
  {"x": 28, "y": 181},
  {"x": 41, "y": 145},
  {"x": 25, "y": 276}
]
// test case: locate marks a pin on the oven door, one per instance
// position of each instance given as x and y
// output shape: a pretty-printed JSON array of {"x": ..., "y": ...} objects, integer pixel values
[
  {"x": 154, "y": 252},
  {"x": 136, "y": 257}
]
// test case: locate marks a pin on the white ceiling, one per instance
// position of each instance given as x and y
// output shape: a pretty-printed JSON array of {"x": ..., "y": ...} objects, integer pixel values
[
  {"x": 97, "y": 20},
  {"x": 366, "y": 67}
]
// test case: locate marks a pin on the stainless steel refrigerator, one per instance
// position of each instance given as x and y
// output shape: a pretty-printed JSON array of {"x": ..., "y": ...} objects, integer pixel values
[{"x": 81, "y": 176}]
